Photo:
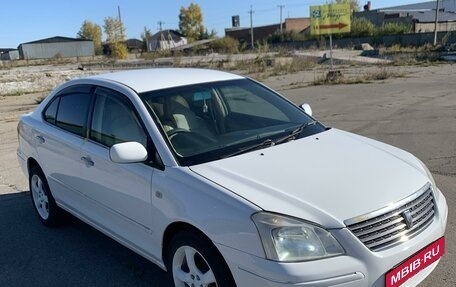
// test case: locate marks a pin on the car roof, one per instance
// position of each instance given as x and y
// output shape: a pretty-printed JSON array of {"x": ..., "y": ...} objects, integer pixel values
[{"x": 161, "y": 78}]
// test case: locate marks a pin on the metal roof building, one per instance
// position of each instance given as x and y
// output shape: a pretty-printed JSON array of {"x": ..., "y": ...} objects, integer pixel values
[
  {"x": 56, "y": 47},
  {"x": 445, "y": 5},
  {"x": 420, "y": 15},
  {"x": 166, "y": 40},
  {"x": 7, "y": 54}
]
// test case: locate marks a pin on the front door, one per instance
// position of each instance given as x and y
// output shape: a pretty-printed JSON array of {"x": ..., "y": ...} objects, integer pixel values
[{"x": 119, "y": 194}]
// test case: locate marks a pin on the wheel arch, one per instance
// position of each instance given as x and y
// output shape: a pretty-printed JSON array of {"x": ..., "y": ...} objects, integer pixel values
[
  {"x": 175, "y": 228},
  {"x": 31, "y": 163}
]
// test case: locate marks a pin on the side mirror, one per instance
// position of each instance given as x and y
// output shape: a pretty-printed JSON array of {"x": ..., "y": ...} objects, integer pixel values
[
  {"x": 307, "y": 109},
  {"x": 128, "y": 152}
]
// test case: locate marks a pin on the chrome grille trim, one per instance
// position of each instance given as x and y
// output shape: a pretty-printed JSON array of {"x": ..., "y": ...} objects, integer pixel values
[{"x": 387, "y": 227}]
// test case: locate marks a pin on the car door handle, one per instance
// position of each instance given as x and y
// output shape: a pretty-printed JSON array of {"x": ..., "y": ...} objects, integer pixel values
[
  {"x": 88, "y": 161},
  {"x": 40, "y": 139}
]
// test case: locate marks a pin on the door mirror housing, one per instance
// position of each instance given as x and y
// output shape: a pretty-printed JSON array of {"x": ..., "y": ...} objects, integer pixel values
[
  {"x": 128, "y": 152},
  {"x": 307, "y": 109}
]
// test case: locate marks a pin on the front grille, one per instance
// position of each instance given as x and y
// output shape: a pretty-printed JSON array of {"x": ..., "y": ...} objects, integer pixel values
[{"x": 406, "y": 219}]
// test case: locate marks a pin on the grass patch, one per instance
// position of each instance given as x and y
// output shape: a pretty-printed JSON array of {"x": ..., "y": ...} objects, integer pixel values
[
  {"x": 23, "y": 93},
  {"x": 264, "y": 67},
  {"x": 425, "y": 55},
  {"x": 369, "y": 77}
]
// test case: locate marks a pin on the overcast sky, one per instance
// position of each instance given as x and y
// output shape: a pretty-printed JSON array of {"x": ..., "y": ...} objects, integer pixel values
[{"x": 29, "y": 20}]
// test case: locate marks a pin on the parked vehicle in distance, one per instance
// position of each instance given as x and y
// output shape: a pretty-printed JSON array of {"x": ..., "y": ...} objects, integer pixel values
[{"x": 223, "y": 182}]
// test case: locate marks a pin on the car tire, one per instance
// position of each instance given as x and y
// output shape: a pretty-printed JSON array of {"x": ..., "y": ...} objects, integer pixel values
[
  {"x": 193, "y": 261},
  {"x": 43, "y": 202}
]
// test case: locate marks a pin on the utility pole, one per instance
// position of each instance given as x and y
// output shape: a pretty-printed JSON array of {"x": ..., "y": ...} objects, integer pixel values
[
  {"x": 160, "y": 23},
  {"x": 436, "y": 22},
  {"x": 121, "y": 31},
  {"x": 251, "y": 27},
  {"x": 281, "y": 7}
]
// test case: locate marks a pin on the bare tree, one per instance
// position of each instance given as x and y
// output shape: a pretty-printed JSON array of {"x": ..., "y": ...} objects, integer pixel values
[
  {"x": 146, "y": 37},
  {"x": 115, "y": 36}
]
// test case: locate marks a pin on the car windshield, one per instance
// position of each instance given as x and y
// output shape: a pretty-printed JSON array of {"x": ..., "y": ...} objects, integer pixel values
[{"x": 210, "y": 121}]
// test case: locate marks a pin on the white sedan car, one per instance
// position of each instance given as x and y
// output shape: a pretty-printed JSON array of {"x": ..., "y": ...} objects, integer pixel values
[{"x": 223, "y": 182}]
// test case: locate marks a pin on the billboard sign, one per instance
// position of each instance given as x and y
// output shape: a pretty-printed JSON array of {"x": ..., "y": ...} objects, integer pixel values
[{"x": 330, "y": 19}]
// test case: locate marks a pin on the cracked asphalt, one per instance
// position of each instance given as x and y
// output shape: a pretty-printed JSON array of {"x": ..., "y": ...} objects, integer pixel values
[{"x": 416, "y": 113}]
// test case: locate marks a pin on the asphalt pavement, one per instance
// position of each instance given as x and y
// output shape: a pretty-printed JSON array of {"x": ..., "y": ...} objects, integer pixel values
[{"x": 416, "y": 113}]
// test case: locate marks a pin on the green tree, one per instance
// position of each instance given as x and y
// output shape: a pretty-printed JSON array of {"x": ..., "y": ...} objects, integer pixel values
[
  {"x": 115, "y": 37},
  {"x": 92, "y": 31},
  {"x": 354, "y": 5},
  {"x": 207, "y": 35},
  {"x": 191, "y": 22}
]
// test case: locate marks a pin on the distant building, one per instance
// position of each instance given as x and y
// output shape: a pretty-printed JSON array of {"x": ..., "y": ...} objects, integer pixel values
[
  {"x": 296, "y": 24},
  {"x": 445, "y": 5},
  {"x": 135, "y": 45},
  {"x": 166, "y": 40},
  {"x": 420, "y": 15},
  {"x": 242, "y": 34},
  {"x": 9, "y": 54},
  {"x": 56, "y": 47}
]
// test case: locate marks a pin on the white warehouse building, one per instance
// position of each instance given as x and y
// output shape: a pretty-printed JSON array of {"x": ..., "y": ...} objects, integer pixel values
[{"x": 56, "y": 47}]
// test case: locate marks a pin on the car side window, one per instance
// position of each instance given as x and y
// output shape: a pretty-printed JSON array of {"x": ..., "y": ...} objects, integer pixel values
[
  {"x": 72, "y": 112},
  {"x": 51, "y": 111},
  {"x": 114, "y": 120}
]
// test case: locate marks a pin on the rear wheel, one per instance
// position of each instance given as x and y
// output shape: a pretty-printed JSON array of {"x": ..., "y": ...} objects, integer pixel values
[
  {"x": 193, "y": 261},
  {"x": 43, "y": 202}
]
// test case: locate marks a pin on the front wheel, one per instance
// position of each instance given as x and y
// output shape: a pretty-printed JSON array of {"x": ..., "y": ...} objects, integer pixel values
[
  {"x": 195, "y": 262},
  {"x": 43, "y": 202}
]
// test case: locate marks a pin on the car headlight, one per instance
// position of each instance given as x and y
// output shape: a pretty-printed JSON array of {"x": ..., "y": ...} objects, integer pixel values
[
  {"x": 289, "y": 239},
  {"x": 431, "y": 180},
  {"x": 428, "y": 173}
]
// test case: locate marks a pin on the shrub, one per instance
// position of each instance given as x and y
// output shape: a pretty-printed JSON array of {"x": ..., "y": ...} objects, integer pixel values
[
  {"x": 226, "y": 45},
  {"x": 119, "y": 50},
  {"x": 362, "y": 27},
  {"x": 394, "y": 28},
  {"x": 286, "y": 36}
]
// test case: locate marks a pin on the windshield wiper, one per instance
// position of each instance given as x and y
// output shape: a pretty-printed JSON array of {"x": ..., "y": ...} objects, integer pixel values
[
  {"x": 294, "y": 133},
  {"x": 266, "y": 143},
  {"x": 269, "y": 142}
]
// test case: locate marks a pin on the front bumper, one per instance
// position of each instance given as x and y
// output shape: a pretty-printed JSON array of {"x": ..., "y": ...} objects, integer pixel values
[{"x": 359, "y": 267}]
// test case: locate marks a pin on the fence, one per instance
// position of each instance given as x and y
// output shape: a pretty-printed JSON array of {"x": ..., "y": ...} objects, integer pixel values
[{"x": 418, "y": 39}]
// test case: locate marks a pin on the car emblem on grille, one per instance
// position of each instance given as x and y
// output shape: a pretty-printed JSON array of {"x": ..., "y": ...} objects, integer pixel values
[{"x": 408, "y": 218}]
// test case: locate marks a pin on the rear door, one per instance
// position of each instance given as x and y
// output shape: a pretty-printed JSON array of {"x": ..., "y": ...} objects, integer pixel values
[{"x": 59, "y": 140}]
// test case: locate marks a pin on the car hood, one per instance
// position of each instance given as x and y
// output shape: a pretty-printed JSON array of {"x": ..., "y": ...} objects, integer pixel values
[{"x": 325, "y": 178}]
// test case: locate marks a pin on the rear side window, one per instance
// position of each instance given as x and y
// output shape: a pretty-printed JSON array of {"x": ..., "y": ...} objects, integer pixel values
[
  {"x": 72, "y": 112},
  {"x": 51, "y": 111}
]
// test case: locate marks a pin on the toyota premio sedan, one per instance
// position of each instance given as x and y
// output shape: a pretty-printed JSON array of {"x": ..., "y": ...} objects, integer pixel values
[{"x": 223, "y": 182}]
